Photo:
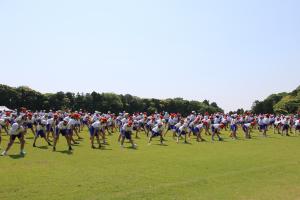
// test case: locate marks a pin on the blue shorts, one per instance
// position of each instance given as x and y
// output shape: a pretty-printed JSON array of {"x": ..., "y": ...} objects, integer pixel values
[
  {"x": 245, "y": 128},
  {"x": 63, "y": 132},
  {"x": 285, "y": 127},
  {"x": 40, "y": 133},
  {"x": 155, "y": 134},
  {"x": 233, "y": 127},
  {"x": 213, "y": 129},
  {"x": 93, "y": 131},
  {"x": 182, "y": 133},
  {"x": 127, "y": 135},
  {"x": 171, "y": 127},
  {"x": 148, "y": 126},
  {"x": 29, "y": 125},
  {"x": 196, "y": 130},
  {"x": 263, "y": 127},
  {"x": 13, "y": 137},
  {"x": 49, "y": 128},
  {"x": 70, "y": 131}
]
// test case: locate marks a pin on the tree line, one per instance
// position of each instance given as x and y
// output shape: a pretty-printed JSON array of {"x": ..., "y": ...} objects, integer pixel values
[
  {"x": 282, "y": 103},
  {"x": 26, "y": 97}
]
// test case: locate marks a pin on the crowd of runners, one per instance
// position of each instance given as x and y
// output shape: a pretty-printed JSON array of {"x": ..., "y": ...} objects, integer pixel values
[{"x": 49, "y": 126}]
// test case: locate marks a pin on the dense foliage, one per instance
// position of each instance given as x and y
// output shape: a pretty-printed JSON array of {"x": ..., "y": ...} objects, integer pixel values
[
  {"x": 103, "y": 102},
  {"x": 281, "y": 103}
]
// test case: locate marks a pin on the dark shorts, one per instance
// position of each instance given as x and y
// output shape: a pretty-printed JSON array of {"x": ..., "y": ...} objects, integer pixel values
[
  {"x": 245, "y": 128},
  {"x": 13, "y": 137},
  {"x": 298, "y": 127},
  {"x": 182, "y": 133},
  {"x": 233, "y": 127},
  {"x": 127, "y": 135},
  {"x": 263, "y": 127},
  {"x": 148, "y": 126},
  {"x": 63, "y": 132},
  {"x": 171, "y": 127},
  {"x": 285, "y": 127},
  {"x": 213, "y": 129},
  {"x": 196, "y": 130},
  {"x": 155, "y": 134},
  {"x": 40, "y": 133},
  {"x": 93, "y": 131},
  {"x": 29, "y": 125},
  {"x": 70, "y": 131},
  {"x": 49, "y": 128}
]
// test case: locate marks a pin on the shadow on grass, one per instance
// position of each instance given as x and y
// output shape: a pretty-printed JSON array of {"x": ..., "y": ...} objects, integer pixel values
[
  {"x": 17, "y": 156},
  {"x": 42, "y": 147},
  {"x": 187, "y": 143},
  {"x": 163, "y": 145},
  {"x": 130, "y": 148},
  {"x": 67, "y": 152},
  {"x": 104, "y": 149}
]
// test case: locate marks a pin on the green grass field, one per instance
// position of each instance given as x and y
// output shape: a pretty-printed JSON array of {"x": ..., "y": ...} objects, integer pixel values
[{"x": 261, "y": 168}]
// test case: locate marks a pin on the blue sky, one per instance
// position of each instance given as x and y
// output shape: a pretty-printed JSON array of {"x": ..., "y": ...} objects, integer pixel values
[{"x": 232, "y": 52}]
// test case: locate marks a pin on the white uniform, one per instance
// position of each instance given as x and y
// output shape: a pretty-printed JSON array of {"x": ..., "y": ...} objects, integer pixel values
[{"x": 16, "y": 129}]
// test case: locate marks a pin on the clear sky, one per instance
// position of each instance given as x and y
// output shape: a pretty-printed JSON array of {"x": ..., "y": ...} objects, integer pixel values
[{"x": 229, "y": 51}]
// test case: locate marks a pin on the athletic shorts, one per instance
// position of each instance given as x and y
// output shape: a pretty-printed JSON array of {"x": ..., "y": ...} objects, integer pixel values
[
  {"x": 182, "y": 133},
  {"x": 29, "y": 125},
  {"x": 233, "y": 127},
  {"x": 155, "y": 134},
  {"x": 127, "y": 135},
  {"x": 13, "y": 137},
  {"x": 245, "y": 128},
  {"x": 285, "y": 127},
  {"x": 93, "y": 131},
  {"x": 196, "y": 130},
  {"x": 171, "y": 127},
  {"x": 263, "y": 127},
  {"x": 40, "y": 133},
  {"x": 49, "y": 128},
  {"x": 63, "y": 132},
  {"x": 70, "y": 131}
]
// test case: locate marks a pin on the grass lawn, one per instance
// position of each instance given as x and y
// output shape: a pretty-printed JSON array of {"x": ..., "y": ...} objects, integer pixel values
[{"x": 261, "y": 168}]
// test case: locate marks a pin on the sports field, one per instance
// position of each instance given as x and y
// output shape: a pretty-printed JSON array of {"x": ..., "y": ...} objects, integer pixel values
[{"x": 260, "y": 168}]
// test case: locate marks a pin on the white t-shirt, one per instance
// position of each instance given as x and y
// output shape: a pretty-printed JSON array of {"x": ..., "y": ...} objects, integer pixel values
[
  {"x": 61, "y": 126},
  {"x": 39, "y": 127},
  {"x": 157, "y": 129},
  {"x": 127, "y": 128},
  {"x": 71, "y": 123},
  {"x": 96, "y": 124},
  {"x": 183, "y": 127},
  {"x": 15, "y": 129}
]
